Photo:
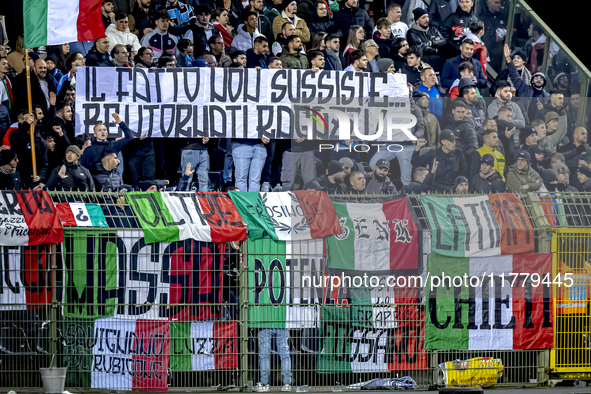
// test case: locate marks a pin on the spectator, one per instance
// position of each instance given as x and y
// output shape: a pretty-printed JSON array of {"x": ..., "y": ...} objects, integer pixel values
[
  {"x": 167, "y": 61},
  {"x": 6, "y": 95},
  {"x": 108, "y": 13},
  {"x": 461, "y": 186},
  {"x": 275, "y": 63},
  {"x": 51, "y": 61},
  {"x": 291, "y": 56},
  {"x": 528, "y": 138},
  {"x": 356, "y": 37},
  {"x": 194, "y": 154},
  {"x": 180, "y": 13},
  {"x": 238, "y": 57},
  {"x": 16, "y": 58},
  {"x": 432, "y": 128},
  {"x": 518, "y": 59},
  {"x": 316, "y": 60},
  {"x": 160, "y": 40},
  {"x": 537, "y": 157},
  {"x": 357, "y": 183},
  {"x": 185, "y": 57},
  {"x": 549, "y": 179},
  {"x": 451, "y": 72},
  {"x": 9, "y": 177},
  {"x": 576, "y": 149},
  {"x": 535, "y": 47},
  {"x": 71, "y": 175},
  {"x": 143, "y": 15},
  {"x": 413, "y": 67},
  {"x": 120, "y": 56},
  {"x": 475, "y": 105},
  {"x": 372, "y": 53},
  {"x": 562, "y": 175},
  {"x": 249, "y": 158},
  {"x": 20, "y": 141},
  {"x": 488, "y": 179},
  {"x": 73, "y": 61},
  {"x": 428, "y": 85},
  {"x": 535, "y": 90},
  {"x": 358, "y": 61},
  {"x": 452, "y": 162},
  {"x": 522, "y": 178},
  {"x": 555, "y": 104},
  {"x": 475, "y": 33},
  {"x": 118, "y": 33},
  {"x": 494, "y": 17},
  {"x": 463, "y": 128},
  {"x": 440, "y": 10},
  {"x": 332, "y": 55},
  {"x": 455, "y": 27},
  {"x": 555, "y": 132},
  {"x": 386, "y": 66},
  {"x": 378, "y": 182},
  {"x": 105, "y": 172},
  {"x": 221, "y": 22},
  {"x": 422, "y": 179},
  {"x": 503, "y": 98},
  {"x": 331, "y": 182},
  {"x": 144, "y": 58},
  {"x": 57, "y": 142},
  {"x": 490, "y": 147},
  {"x": 384, "y": 38},
  {"x": 94, "y": 153},
  {"x": 466, "y": 70},
  {"x": 393, "y": 16},
  {"x": 273, "y": 9},
  {"x": 350, "y": 14},
  {"x": 246, "y": 32},
  {"x": 263, "y": 24},
  {"x": 299, "y": 156},
  {"x": 287, "y": 30},
  {"x": 318, "y": 43},
  {"x": 289, "y": 15},
  {"x": 399, "y": 49},
  {"x": 216, "y": 49},
  {"x": 202, "y": 30},
  {"x": 506, "y": 129},
  {"x": 257, "y": 56},
  {"x": 321, "y": 22},
  {"x": 99, "y": 55},
  {"x": 584, "y": 177},
  {"x": 41, "y": 87},
  {"x": 428, "y": 39}
]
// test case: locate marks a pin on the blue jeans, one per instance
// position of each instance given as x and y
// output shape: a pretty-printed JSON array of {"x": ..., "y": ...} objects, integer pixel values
[
  {"x": 281, "y": 338},
  {"x": 248, "y": 161},
  {"x": 404, "y": 158},
  {"x": 228, "y": 160},
  {"x": 199, "y": 160}
]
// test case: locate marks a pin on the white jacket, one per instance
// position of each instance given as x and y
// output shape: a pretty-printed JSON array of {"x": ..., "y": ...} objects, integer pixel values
[
  {"x": 243, "y": 41},
  {"x": 117, "y": 37}
]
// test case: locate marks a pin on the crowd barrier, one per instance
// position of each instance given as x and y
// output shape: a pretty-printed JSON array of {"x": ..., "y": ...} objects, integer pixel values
[{"x": 126, "y": 304}]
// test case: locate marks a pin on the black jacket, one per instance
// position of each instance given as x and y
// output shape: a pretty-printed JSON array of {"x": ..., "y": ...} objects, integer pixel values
[
  {"x": 467, "y": 140},
  {"x": 253, "y": 60},
  {"x": 348, "y": 17},
  {"x": 439, "y": 10},
  {"x": 77, "y": 178},
  {"x": 493, "y": 184},
  {"x": 19, "y": 91},
  {"x": 95, "y": 58},
  {"x": 373, "y": 186},
  {"x": 20, "y": 143},
  {"x": 323, "y": 183},
  {"x": 425, "y": 40},
  {"x": 11, "y": 181},
  {"x": 93, "y": 154},
  {"x": 327, "y": 25},
  {"x": 455, "y": 26},
  {"x": 329, "y": 62},
  {"x": 415, "y": 187},
  {"x": 572, "y": 153},
  {"x": 386, "y": 46},
  {"x": 450, "y": 166}
]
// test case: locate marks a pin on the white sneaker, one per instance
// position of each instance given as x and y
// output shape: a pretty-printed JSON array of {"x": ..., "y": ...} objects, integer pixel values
[
  {"x": 266, "y": 187},
  {"x": 277, "y": 188},
  {"x": 286, "y": 387},
  {"x": 262, "y": 389}
]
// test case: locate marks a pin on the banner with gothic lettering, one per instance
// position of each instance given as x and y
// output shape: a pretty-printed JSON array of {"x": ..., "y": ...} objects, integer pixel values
[
  {"x": 376, "y": 239},
  {"x": 479, "y": 226}
]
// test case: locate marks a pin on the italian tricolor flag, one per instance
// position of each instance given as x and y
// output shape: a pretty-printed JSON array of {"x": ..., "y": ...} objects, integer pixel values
[
  {"x": 53, "y": 22},
  {"x": 81, "y": 215}
]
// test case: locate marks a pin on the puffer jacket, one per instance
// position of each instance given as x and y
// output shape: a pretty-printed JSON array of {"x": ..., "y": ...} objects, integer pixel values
[
  {"x": 492, "y": 184},
  {"x": 451, "y": 165},
  {"x": 121, "y": 37},
  {"x": 425, "y": 39},
  {"x": 77, "y": 178},
  {"x": 294, "y": 60},
  {"x": 467, "y": 140},
  {"x": 347, "y": 17},
  {"x": 318, "y": 24},
  {"x": 243, "y": 40},
  {"x": 517, "y": 178},
  {"x": 456, "y": 25}
]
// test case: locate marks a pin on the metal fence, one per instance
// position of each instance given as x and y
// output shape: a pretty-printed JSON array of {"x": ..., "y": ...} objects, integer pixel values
[{"x": 241, "y": 313}]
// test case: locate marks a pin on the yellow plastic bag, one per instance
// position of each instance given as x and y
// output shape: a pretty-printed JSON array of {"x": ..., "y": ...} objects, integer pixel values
[{"x": 474, "y": 372}]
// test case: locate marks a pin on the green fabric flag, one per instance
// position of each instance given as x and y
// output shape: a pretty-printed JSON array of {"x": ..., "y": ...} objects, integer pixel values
[
  {"x": 267, "y": 277},
  {"x": 441, "y": 302},
  {"x": 79, "y": 339},
  {"x": 180, "y": 356},
  {"x": 337, "y": 333},
  {"x": 90, "y": 276},
  {"x": 341, "y": 247},
  {"x": 251, "y": 207},
  {"x": 152, "y": 213}
]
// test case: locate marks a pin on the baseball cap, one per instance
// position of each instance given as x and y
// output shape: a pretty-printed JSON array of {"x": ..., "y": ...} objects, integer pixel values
[
  {"x": 447, "y": 135},
  {"x": 383, "y": 163},
  {"x": 561, "y": 168}
]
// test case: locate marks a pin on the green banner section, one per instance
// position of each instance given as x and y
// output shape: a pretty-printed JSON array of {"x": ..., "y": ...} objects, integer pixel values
[
  {"x": 78, "y": 340},
  {"x": 337, "y": 333}
]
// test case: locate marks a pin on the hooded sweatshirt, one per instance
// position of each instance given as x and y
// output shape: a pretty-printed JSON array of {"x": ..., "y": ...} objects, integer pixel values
[
  {"x": 243, "y": 40},
  {"x": 121, "y": 37}
]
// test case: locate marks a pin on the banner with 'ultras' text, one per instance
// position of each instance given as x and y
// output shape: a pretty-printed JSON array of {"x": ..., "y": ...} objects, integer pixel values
[{"x": 240, "y": 103}]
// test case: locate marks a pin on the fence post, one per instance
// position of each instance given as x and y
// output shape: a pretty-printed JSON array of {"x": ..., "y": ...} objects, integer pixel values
[
  {"x": 243, "y": 301},
  {"x": 53, "y": 315}
]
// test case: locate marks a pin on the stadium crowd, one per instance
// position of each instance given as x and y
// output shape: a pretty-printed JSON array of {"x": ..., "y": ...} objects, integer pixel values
[{"x": 518, "y": 135}]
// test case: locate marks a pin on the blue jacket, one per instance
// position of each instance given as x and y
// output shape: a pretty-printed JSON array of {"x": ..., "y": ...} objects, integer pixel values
[
  {"x": 450, "y": 72},
  {"x": 93, "y": 154}
]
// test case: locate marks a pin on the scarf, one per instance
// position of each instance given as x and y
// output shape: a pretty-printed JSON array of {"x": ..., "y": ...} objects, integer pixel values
[
  {"x": 8, "y": 87},
  {"x": 7, "y": 170},
  {"x": 525, "y": 75},
  {"x": 335, "y": 56},
  {"x": 226, "y": 36}
]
